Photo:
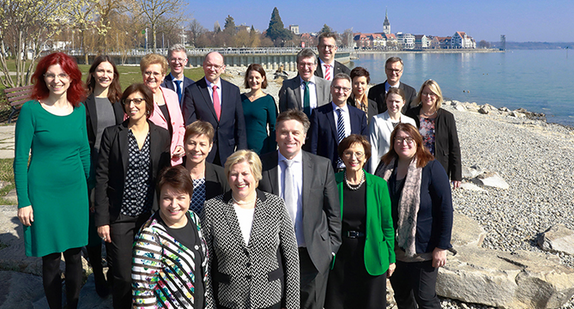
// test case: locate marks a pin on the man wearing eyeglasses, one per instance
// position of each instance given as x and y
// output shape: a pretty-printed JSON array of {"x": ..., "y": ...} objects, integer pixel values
[
  {"x": 305, "y": 91},
  {"x": 331, "y": 123},
  {"x": 175, "y": 80},
  {"x": 218, "y": 102},
  {"x": 394, "y": 70},
  {"x": 328, "y": 66}
]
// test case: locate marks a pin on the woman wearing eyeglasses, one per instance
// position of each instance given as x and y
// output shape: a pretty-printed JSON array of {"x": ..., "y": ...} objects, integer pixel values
[
  {"x": 51, "y": 166},
  {"x": 366, "y": 257},
  {"x": 131, "y": 156},
  {"x": 438, "y": 129},
  {"x": 421, "y": 206},
  {"x": 166, "y": 112}
]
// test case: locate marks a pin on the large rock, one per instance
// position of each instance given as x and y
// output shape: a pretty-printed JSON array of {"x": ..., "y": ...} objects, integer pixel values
[
  {"x": 466, "y": 232},
  {"x": 507, "y": 280},
  {"x": 491, "y": 179},
  {"x": 12, "y": 250},
  {"x": 557, "y": 239},
  {"x": 18, "y": 290}
]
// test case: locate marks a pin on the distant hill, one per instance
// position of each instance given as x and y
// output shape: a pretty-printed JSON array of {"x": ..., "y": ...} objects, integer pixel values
[{"x": 535, "y": 45}]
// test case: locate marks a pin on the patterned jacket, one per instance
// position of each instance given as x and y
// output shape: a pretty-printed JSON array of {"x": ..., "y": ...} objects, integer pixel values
[
  {"x": 163, "y": 269},
  {"x": 261, "y": 274}
]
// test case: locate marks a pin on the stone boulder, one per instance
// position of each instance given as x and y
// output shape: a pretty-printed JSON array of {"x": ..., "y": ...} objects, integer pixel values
[
  {"x": 471, "y": 172},
  {"x": 557, "y": 239},
  {"x": 491, "y": 179},
  {"x": 507, "y": 280},
  {"x": 466, "y": 231},
  {"x": 19, "y": 290}
]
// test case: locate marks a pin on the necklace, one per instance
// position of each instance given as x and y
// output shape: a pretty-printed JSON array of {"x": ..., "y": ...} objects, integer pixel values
[
  {"x": 428, "y": 115},
  {"x": 354, "y": 187}
]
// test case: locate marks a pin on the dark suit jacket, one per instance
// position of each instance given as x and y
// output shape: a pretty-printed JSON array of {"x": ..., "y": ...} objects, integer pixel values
[
  {"x": 323, "y": 130},
  {"x": 168, "y": 83},
  {"x": 321, "y": 208},
  {"x": 446, "y": 145},
  {"x": 339, "y": 68},
  {"x": 372, "y": 109},
  {"x": 262, "y": 273},
  {"x": 92, "y": 117},
  {"x": 377, "y": 94},
  {"x": 113, "y": 166},
  {"x": 290, "y": 93},
  {"x": 230, "y": 129},
  {"x": 215, "y": 180}
]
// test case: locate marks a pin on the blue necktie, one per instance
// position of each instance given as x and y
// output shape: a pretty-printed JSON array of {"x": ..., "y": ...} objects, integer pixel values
[
  {"x": 340, "y": 131},
  {"x": 178, "y": 90}
]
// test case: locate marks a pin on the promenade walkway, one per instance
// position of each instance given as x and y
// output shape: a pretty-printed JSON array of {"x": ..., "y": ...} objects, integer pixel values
[{"x": 7, "y": 141}]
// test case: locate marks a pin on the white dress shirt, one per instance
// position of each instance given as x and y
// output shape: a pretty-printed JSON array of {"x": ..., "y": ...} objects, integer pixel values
[
  {"x": 210, "y": 89},
  {"x": 324, "y": 70},
  {"x": 312, "y": 93},
  {"x": 297, "y": 173}
]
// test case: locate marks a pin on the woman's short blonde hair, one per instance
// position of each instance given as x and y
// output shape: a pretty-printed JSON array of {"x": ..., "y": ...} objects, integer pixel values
[
  {"x": 244, "y": 156},
  {"x": 150, "y": 59},
  {"x": 434, "y": 87}
]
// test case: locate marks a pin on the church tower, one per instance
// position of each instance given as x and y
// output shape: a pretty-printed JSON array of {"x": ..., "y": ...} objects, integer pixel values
[{"x": 386, "y": 24}]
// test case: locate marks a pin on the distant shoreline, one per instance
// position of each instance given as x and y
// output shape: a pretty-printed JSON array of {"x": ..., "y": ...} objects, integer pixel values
[{"x": 430, "y": 51}]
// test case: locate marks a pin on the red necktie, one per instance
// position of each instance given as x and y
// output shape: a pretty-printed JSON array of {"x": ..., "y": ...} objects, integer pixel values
[
  {"x": 327, "y": 72},
  {"x": 216, "y": 103}
]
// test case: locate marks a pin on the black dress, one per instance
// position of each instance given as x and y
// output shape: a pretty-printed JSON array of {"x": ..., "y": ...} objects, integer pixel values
[{"x": 350, "y": 286}]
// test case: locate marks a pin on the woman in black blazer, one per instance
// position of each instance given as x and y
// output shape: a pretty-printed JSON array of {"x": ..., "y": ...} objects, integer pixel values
[
  {"x": 358, "y": 98},
  {"x": 209, "y": 179},
  {"x": 103, "y": 109},
  {"x": 421, "y": 207},
  {"x": 253, "y": 256},
  {"x": 131, "y": 156},
  {"x": 438, "y": 129}
]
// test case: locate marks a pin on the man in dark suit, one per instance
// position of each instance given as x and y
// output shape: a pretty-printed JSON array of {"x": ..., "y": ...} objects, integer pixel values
[
  {"x": 394, "y": 70},
  {"x": 175, "y": 80},
  {"x": 328, "y": 66},
  {"x": 305, "y": 91},
  {"x": 307, "y": 184},
  {"x": 218, "y": 102},
  {"x": 331, "y": 123}
]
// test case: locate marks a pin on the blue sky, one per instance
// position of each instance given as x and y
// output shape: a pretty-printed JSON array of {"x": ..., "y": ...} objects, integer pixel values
[{"x": 520, "y": 21}]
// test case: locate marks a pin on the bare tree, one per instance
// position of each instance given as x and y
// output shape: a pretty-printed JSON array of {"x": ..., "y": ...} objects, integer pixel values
[
  {"x": 25, "y": 28},
  {"x": 195, "y": 29},
  {"x": 160, "y": 13},
  {"x": 347, "y": 38}
]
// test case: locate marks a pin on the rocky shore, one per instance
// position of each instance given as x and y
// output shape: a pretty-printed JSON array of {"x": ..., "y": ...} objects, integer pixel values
[{"x": 533, "y": 158}]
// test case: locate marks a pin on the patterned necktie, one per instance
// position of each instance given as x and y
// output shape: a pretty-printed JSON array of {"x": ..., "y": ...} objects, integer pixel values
[
  {"x": 216, "y": 103},
  {"x": 340, "y": 131},
  {"x": 178, "y": 90},
  {"x": 327, "y": 72},
  {"x": 307, "y": 100},
  {"x": 288, "y": 190}
]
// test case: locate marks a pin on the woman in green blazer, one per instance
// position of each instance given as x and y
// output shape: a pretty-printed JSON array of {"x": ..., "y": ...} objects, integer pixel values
[{"x": 366, "y": 257}]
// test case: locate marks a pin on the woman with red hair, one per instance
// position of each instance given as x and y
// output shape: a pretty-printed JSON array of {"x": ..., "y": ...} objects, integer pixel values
[{"x": 52, "y": 191}]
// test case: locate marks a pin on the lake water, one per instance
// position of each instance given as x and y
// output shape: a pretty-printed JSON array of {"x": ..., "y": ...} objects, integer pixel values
[{"x": 541, "y": 81}]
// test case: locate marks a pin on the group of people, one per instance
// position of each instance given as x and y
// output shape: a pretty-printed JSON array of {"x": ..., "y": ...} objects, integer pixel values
[{"x": 208, "y": 198}]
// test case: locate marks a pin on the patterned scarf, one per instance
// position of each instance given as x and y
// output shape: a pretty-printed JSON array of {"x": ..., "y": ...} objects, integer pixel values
[{"x": 409, "y": 203}]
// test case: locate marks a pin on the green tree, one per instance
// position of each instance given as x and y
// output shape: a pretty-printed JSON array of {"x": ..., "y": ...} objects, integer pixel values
[
  {"x": 229, "y": 25},
  {"x": 276, "y": 30},
  {"x": 326, "y": 29}
]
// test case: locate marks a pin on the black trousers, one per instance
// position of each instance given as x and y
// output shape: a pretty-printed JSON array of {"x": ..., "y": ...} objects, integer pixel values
[
  {"x": 313, "y": 282},
  {"x": 123, "y": 232},
  {"x": 53, "y": 281},
  {"x": 415, "y": 283}
]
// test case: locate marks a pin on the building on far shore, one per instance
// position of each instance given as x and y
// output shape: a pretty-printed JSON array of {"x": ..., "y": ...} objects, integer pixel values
[
  {"x": 422, "y": 41},
  {"x": 294, "y": 29},
  {"x": 460, "y": 40},
  {"x": 406, "y": 40}
]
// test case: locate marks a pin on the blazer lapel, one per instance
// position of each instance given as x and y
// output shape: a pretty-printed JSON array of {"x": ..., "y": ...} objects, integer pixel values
[
  {"x": 91, "y": 107},
  {"x": 155, "y": 150},
  {"x": 260, "y": 220},
  {"x": 297, "y": 90},
  {"x": 331, "y": 119},
  {"x": 307, "y": 180},
  {"x": 123, "y": 145},
  {"x": 355, "y": 121}
]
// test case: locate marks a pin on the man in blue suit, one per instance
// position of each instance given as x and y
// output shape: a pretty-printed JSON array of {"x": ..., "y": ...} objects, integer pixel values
[
  {"x": 331, "y": 123},
  {"x": 175, "y": 80},
  {"x": 218, "y": 102}
]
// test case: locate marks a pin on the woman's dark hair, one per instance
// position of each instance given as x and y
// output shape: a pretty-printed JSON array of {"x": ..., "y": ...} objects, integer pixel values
[
  {"x": 348, "y": 141},
  {"x": 176, "y": 177},
  {"x": 115, "y": 90},
  {"x": 397, "y": 91},
  {"x": 75, "y": 94},
  {"x": 147, "y": 95},
  {"x": 422, "y": 154},
  {"x": 360, "y": 71},
  {"x": 258, "y": 68}
]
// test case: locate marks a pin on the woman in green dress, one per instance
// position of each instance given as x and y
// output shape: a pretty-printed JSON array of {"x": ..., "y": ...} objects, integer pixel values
[
  {"x": 260, "y": 111},
  {"x": 52, "y": 190}
]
